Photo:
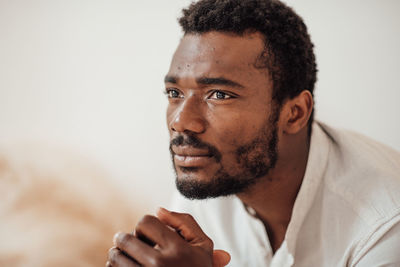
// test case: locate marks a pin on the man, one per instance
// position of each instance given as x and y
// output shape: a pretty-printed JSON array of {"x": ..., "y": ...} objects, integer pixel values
[{"x": 240, "y": 90}]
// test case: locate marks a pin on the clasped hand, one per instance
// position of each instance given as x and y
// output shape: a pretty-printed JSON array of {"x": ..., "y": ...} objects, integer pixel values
[{"x": 169, "y": 240}]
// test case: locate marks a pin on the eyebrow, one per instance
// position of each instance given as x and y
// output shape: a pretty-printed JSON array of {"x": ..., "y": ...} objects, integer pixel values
[
  {"x": 206, "y": 81},
  {"x": 170, "y": 79}
]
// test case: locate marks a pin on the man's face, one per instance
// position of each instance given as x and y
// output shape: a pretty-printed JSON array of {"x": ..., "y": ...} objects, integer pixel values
[{"x": 222, "y": 122}]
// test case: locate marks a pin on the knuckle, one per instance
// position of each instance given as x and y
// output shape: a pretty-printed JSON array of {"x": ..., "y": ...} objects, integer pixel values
[
  {"x": 209, "y": 242},
  {"x": 173, "y": 249},
  {"x": 177, "y": 251},
  {"x": 157, "y": 261},
  {"x": 113, "y": 255},
  {"x": 147, "y": 219},
  {"x": 187, "y": 217},
  {"x": 123, "y": 239}
]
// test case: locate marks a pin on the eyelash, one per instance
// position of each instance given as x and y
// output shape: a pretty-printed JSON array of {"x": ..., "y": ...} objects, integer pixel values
[
  {"x": 169, "y": 91},
  {"x": 225, "y": 94}
]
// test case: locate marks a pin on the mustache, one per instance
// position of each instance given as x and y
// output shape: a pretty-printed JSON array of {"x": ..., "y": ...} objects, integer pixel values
[{"x": 193, "y": 141}]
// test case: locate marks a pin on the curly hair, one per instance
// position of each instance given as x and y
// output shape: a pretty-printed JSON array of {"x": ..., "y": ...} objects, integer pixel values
[{"x": 288, "y": 53}]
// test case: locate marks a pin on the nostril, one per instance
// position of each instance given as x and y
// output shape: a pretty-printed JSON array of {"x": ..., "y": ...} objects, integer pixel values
[{"x": 188, "y": 118}]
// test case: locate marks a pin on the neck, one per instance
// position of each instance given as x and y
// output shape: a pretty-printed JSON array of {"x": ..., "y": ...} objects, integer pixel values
[{"x": 273, "y": 197}]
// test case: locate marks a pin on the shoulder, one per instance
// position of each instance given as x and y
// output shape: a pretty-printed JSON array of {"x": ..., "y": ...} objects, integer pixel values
[
  {"x": 364, "y": 173},
  {"x": 349, "y": 148},
  {"x": 362, "y": 184},
  {"x": 384, "y": 252}
]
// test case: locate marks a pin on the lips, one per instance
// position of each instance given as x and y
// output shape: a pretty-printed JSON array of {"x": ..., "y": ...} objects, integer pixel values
[{"x": 191, "y": 157}]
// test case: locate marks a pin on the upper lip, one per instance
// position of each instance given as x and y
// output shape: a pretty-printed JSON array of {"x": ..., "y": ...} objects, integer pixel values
[{"x": 190, "y": 151}]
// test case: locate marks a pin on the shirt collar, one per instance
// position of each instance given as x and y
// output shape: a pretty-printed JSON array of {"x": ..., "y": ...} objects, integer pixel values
[{"x": 316, "y": 166}]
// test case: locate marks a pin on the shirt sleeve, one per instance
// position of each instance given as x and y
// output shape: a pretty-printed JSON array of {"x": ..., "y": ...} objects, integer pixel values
[{"x": 386, "y": 252}]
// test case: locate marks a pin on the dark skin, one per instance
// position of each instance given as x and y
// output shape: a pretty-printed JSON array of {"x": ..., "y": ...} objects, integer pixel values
[
  {"x": 218, "y": 94},
  {"x": 156, "y": 242}
]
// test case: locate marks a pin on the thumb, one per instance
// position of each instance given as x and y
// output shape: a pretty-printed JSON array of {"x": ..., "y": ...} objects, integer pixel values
[
  {"x": 186, "y": 226},
  {"x": 221, "y": 258}
]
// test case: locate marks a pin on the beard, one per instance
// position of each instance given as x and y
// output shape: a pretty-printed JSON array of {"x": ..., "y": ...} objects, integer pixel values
[{"x": 253, "y": 160}]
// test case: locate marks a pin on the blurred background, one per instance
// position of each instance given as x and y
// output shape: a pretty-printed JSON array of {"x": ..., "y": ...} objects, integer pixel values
[{"x": 86, "y": 76}]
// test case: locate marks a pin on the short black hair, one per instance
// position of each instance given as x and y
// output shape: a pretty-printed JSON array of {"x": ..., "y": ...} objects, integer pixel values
[{"x": 290, "y": 57}]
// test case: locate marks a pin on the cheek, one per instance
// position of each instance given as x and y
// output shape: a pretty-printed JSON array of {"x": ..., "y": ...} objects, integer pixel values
[{"x": 230, "y": 133}]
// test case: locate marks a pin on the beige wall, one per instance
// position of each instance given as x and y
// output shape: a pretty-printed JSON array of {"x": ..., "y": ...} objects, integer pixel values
[{"x": 88, "y": 74}]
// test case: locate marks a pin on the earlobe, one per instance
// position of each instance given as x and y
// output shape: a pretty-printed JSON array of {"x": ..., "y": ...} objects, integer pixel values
[{"x": 297, "y": 112}]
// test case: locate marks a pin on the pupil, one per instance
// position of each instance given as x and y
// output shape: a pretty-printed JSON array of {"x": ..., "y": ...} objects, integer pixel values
[
  {"x": 220, "y": 95},
  {"x": 174, "y": 93}
]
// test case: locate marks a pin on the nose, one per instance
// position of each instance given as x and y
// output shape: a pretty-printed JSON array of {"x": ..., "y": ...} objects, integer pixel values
[{"x": 188, "y": 117}]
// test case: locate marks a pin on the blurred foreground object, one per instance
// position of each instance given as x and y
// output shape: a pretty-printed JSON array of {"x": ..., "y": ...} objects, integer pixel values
[{"x": 56, "y": 209}]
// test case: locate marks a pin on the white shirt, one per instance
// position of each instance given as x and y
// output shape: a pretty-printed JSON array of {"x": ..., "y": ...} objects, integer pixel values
[{"x": 347, "y": 212}]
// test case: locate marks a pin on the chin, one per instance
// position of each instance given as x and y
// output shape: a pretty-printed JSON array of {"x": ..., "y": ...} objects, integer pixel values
[
  {"x": 196, "y": 186},
  {"x": 200, "y": 175}
]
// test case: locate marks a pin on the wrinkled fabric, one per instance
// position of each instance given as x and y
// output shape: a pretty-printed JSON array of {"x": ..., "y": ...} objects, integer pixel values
[{"x": 347, "y": 212}]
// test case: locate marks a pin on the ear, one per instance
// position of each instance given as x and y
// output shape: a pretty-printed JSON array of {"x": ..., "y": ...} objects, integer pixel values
[{"x": 296, "y": 112}]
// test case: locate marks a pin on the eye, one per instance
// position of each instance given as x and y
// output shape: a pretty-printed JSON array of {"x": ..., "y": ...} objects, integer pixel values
[
  {"x": 220, "y": 95},
  {"x": 173, "y": 93}
]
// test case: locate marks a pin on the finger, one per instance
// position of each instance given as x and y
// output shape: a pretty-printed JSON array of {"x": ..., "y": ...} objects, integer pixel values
[
  {"x": 135, "y": 248},
  {"x": 186, "y": 226},
  {"x": 117, "y": 259},
  {"x": 182, "y": 222},
  {"x": 221, "y": 258},
  {"x": 151, "y": 228}
]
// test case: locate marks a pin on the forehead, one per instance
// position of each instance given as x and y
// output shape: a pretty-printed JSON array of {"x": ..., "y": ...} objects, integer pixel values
[{"x": 216, "y": 53}]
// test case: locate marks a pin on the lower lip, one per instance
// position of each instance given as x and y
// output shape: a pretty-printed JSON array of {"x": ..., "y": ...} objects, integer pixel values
[{"x": 192, "y": 161}]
